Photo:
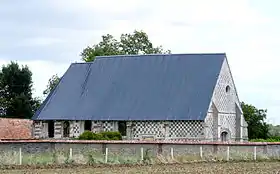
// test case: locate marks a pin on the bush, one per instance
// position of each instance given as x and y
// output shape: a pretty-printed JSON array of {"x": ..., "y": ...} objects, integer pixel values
[
  {"x": 88, "y": 135},
  {"x": 98, "y": 136},
  {"x": 271, "y": 139},
  {"x": 112, "y": 135}
]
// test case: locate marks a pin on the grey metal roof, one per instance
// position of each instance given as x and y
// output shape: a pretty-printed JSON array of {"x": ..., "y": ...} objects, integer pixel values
[{"x": 140, "y": 87}]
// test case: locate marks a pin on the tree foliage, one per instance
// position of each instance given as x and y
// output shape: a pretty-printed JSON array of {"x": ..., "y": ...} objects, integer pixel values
[
  {"x": 257, "y": 127},
  {"x": 129, "y": 44},
  {"x": 274, "y": 130},
  {"x": 53, "y": 81},
  {"x": 16, "y": 92}
]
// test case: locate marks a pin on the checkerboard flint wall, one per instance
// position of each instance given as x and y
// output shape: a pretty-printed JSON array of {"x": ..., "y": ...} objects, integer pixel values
[
  {"x": 167, "y": 129},
  {"x": 156, "y": 129}
]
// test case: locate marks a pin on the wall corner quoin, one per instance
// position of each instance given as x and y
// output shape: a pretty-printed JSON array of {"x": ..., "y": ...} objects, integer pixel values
[
  {"x": 129, "y": 128},
  {"x": 205, "y": 129},
  {"x": 57, "y": 129}
]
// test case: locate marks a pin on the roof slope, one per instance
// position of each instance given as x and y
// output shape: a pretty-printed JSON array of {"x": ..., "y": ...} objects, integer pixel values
[
  {"x": 140, "y": 87},
  {"x": 15, "y": 128}
]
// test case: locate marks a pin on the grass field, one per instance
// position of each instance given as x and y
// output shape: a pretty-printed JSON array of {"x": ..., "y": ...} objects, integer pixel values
[{"x": 195, "y": 168}]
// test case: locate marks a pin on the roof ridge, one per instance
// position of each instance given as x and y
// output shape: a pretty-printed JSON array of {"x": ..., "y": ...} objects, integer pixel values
[
  {"x": 147, "y": 55},
  {"x": 152, "y": 55}
]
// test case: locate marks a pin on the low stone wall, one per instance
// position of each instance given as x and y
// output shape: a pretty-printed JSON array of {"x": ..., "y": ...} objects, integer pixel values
[
  {"x": 134, "y": 147},
  {"x": 116, "y": 152}
]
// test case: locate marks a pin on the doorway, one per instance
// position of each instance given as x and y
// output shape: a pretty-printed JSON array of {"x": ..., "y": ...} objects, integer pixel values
[
  {"x": 224, "y": 136},
  {"x": 122, "y": 127},
  {"x": 88, "y": 124},
  {"x": 51, "y": 128},
  {"x": 66, "y": 129}
]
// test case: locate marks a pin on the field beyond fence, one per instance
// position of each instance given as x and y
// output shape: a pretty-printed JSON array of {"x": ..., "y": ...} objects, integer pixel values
[{"x": 45, "y": 152}]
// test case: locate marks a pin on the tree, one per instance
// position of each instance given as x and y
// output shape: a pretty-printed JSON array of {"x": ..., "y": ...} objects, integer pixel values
[
  {"x": 53, "y": 81},
  {"x": 16, "y": 92},
  {"x": 130, "y": 44},
  {"x": 274, "y": 130},
  {"x": 257, "y": 127}
]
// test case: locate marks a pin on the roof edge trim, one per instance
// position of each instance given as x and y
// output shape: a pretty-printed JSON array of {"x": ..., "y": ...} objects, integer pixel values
[{"x": 147, "y": 55}]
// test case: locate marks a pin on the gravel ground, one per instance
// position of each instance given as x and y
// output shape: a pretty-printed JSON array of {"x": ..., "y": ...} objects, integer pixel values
[{"x": 195, "y": 168}]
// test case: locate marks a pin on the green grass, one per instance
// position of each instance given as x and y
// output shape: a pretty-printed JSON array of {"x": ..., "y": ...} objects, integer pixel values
[{"x": 38, "y": 159}]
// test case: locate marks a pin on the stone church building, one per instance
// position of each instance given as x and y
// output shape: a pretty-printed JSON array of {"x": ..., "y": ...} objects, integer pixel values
[{"x": 160, "y": 97}]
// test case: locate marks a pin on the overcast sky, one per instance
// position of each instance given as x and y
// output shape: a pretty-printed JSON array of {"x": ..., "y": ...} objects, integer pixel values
[{"x": 49, "y": 35}]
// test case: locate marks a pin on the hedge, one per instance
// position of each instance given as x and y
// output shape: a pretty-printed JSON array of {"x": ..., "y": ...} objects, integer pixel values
[
  {"x": 88, "y": 135},
  {"x": 271, "y": 139}
]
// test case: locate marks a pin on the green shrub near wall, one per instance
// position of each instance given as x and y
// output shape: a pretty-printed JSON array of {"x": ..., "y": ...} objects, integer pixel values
[
  {"x": 112, "y": 135},
  {"x": 271, "y": 139},
  {"x": 88, "y": 135}
]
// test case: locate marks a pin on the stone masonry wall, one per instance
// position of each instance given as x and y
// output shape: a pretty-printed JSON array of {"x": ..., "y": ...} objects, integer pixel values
[
  {"x": 167, "y": 130},
  {"x": 137, "y": 130}
]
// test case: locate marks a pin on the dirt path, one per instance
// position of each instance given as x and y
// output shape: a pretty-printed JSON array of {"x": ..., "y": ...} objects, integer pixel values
[{"x": 196, "y": 168}]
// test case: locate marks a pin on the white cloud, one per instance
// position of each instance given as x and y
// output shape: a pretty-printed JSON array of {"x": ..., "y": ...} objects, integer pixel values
[
  {"x": 105, "y": 6},
  {"x": 194, "y": 11},
  {"x": 42, "y": 71},
  {"x": 40, "y": 41}
]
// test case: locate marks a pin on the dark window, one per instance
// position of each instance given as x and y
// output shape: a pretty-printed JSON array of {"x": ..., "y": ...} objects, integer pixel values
[
  {"x": 51, "y": 129},
  {"x": 66, "y": 129},
  {"x": 122, "y": 127},
  {"x": 227, "y": 89},
  {"x": 224, "y": 136},
  {"x": 88, "y": 124}
]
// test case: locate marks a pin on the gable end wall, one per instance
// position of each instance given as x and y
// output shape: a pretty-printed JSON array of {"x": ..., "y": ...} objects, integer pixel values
[{"x": 225, "y": 113}]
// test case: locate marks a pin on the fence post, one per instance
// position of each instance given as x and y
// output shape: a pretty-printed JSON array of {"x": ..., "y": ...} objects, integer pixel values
[
  {"x": 106, "y": 155},
  {"x": 20, "y": 156},
  {"x": 227, "y": 153},
  {"x": 200, "y": 150},
  {"x": 70, "y": 154},
  {"x": 171, "y": 152},
  {"x": 255, "y": 153},
  {"x": 142, "y": 154}
]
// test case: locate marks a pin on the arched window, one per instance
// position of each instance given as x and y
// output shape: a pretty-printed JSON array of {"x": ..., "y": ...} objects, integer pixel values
[
  {"x": 224, "y": 136},
  {"x": 227, "y": 89}
]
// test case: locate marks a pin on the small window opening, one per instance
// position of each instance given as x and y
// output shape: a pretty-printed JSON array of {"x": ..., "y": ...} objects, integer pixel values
[
  {"x": 88, "y": 124},
  {"x": 227, "y": 88},
  {"x": 122, "y": 127}
]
